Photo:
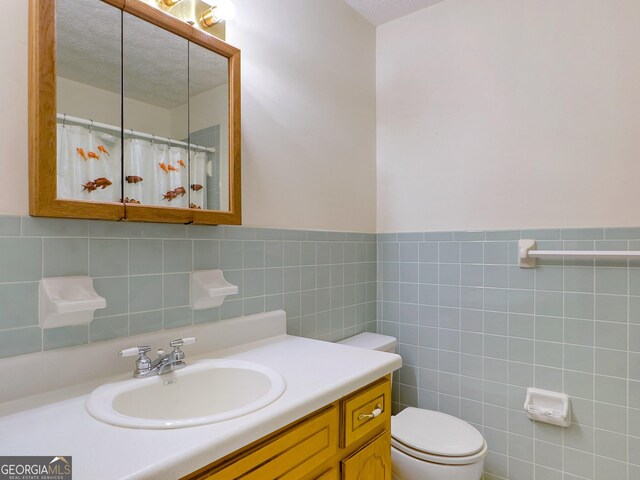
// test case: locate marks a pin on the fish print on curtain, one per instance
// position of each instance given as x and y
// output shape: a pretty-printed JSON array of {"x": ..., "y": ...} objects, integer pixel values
[
  {"x": 156, "y": 173},
  {"x": 88, "y": 166},
  {"x": 197, "y": 192}
]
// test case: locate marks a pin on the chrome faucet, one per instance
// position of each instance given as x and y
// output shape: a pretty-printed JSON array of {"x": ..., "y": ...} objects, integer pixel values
[{"x": 166, "y": 362}]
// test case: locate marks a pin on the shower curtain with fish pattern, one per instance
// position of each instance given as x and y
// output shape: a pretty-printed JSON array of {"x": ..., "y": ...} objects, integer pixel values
[
  {"x": 88, "y": 164},
  {"x": 198, "y": 171},
  {"x": 144, "y": 159},
  {"x": 154, "y": 174}
]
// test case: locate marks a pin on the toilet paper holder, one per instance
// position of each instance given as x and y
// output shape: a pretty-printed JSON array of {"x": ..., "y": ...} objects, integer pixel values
[{"x": 548, "y": 407}]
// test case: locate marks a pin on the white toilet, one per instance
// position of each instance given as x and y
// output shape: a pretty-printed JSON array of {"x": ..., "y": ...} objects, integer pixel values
[{"x": 428, "y": 445}]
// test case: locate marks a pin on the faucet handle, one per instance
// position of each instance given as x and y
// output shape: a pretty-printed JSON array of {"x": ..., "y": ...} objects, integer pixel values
[
  {"x": 143, "y": 363},
  {"x": 177, "y": 354},
  {"x": 182, "y": 341},
  {"x": 132, "y": 352}
]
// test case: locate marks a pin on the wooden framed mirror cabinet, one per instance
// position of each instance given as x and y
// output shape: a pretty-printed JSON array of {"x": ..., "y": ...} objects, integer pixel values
[{"x": 134, "y": 115}]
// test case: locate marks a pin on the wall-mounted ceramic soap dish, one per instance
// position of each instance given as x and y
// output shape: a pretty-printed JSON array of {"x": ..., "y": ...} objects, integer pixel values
[
  {"x": 209, "y": 289},
  {"x": 68, "y": 301}
]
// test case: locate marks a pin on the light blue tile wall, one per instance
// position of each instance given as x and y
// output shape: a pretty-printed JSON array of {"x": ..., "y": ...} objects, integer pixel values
[
  {"x": 475, "y": 330},
  {"x": 326, "y": 281}
]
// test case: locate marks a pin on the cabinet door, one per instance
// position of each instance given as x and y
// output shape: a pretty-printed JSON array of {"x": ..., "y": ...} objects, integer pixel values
[
  {"x": 333, "y": 474},
  {"x": 290, "y": 456},
  {"x": 373, "y": 461},
  {"x": 134, "y": 115}
]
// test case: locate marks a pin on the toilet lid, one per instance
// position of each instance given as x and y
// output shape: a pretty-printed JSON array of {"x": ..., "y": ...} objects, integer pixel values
[{"x": 436, "y": 433}]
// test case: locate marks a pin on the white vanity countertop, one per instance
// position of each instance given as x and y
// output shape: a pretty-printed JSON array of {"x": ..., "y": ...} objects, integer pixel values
[{"x": 317, "y": 373}]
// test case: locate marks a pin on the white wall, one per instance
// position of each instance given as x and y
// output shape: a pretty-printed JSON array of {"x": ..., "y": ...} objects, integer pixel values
[
  {"x": 509, "y": 113},
  {"x": 105, "y": 107},
  {"x": 308, "y": 113},
  {"x": 14, "y": 186}
]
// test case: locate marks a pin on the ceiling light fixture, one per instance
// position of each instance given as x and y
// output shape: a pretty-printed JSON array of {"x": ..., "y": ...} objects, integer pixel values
[
  {"x": 170, "y": 3},
  {"x": 220, "y": 11}
]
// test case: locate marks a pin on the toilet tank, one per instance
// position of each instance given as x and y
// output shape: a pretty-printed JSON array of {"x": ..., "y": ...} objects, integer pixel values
[{"x": 372, "y": 341}]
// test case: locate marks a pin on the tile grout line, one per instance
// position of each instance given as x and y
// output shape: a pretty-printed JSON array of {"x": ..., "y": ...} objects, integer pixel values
[
  {"x": 563, "y": 347},
  {"x": 627, "y": 457},
  {"x": 593, "y": 407}
]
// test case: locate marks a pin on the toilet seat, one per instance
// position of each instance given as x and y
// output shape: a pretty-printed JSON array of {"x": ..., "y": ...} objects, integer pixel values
[
  {"x": 441, "y": 459},
  {"x": 436, "y": 437}
]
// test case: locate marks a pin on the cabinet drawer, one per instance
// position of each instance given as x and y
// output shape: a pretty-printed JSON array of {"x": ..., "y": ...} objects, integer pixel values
[
  {"x": 357, "y": 411},
  {"x": 291, "y": 455}
]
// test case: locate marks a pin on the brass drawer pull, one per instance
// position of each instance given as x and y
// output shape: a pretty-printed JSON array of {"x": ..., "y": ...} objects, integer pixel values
[{"x": 376, "y": 412}]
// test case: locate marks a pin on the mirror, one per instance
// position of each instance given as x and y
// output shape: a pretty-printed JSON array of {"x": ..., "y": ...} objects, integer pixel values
[
  {"x": 88, "y": 101},
  {"x": 208, "y": 129},
  {"x": 156, "y": 97},
  {"x": 146, "y": 116}
]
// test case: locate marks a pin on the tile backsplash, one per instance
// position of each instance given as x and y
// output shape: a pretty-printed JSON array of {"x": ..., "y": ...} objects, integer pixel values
[
  {"x": 326, "y": 281},
  {"x": 475, "y": 330}
]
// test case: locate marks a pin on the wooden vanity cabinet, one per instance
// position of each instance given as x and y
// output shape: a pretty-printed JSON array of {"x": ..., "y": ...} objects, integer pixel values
[
  {"x": 340, "y": 441},
  {"x": 332, "y": 474},
  {"x": 373, "y": 461}
]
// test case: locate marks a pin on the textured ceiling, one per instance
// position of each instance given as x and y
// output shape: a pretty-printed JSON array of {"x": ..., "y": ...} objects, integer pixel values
[
  {"x": 156, "y": 62},
  {"x": 383, "y": 11}
]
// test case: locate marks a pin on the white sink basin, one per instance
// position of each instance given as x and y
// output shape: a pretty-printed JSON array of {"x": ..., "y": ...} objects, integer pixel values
[{"x": 205, "y": 392}]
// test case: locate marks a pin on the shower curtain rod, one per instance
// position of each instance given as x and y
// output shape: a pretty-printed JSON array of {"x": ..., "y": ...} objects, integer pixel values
[{"x": 63, "y": 118}]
